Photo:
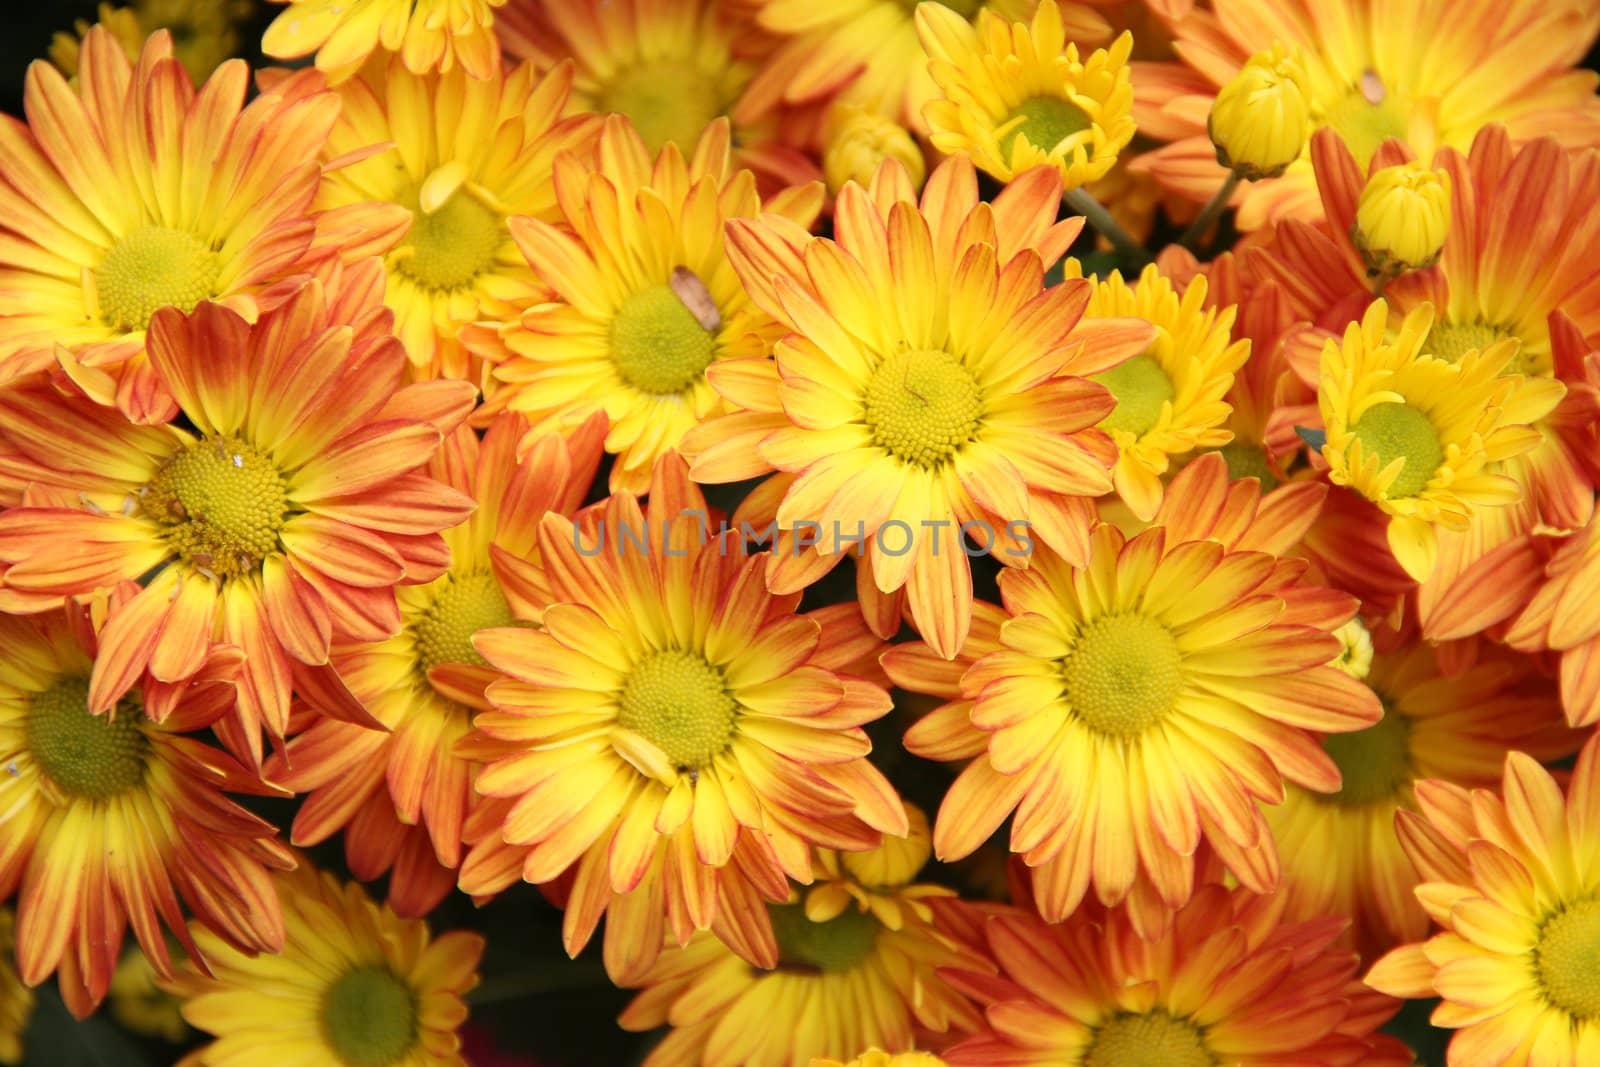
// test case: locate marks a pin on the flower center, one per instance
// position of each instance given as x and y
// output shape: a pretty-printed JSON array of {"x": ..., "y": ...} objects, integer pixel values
[
  {"x": 1568, "y": 959},
  {"x": 669, "y": 101},
  {"x": 369, "y": 1017},
  {"x": 1400, "y": 431},
  {"x": 1374, "y": 764},
  {"x": 679, "y": 703},
  {"x": 658, "y": 345},
  {"x": 922, "y": 406},
  {"x": 1140, "y": 385},
  {"x": 151, "y": 268},
  {"x": 223, "y": 504},
  {"x": 96, "y": 757},
  {"x": 1046, "y": 122},
  {"x": 1365, "y": 119},
  {"x": 451, "y": 247},
  {"x": 836, "y": 945},
  {"x": 1154, "y": 1039},
  {"x": 1124, "y": 674},
  {"x": 462, "y": 607},
  {"x": 1450, "y": 341},
  {"x": 1246, "y": 460}
]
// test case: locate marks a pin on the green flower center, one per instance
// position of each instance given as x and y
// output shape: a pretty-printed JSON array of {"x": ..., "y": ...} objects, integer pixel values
[
  {"x": 461, "y": 607},
  {"x": 836, "y": 945},
  {"x": 679, "y": 703},
  {"x": 669, "y": 101},
  {"x": 151, "y": 268},
  {"x": 1450, "y": 341},
  {"x": 1374, "y": 764},
  {"x": 1400, "y": 431},
  {"x": 452, "y": 246},
  {"x": 223, "y": 504},
  {"x": 922, "y": 406},
  {"x": 369, "y": 1018},
  {"x": 1046, "y": 122},
  {"x": 1568, "y": 959},
  {"x": 1364, "y": 125},
  {"x": 1123, "y": 675},
  {"x": 658, "y": 345},
  {"x": 1246, "y": 460},
  {"x": 1140, "y": 385},
  {"x": 95, "y": 757},
  {"x": 1154, "y": 1039}
]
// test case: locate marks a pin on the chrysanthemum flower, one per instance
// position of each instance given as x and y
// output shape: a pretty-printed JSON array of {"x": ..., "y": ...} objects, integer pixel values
[
  {"x": 1135, "y": 706},
  {"x": 1339, "y": 852},
  {"x": 1515, "y": 883},
  {"x": 354, "y": 986},
  {"x": 1170, "y": 397},
  {"x": 1560, "y": 615},
  {"x": 284, "y": 516},
  {"x": 428, "y": 34},
  {"x": 878, "y": 880},
  {"x": 856, "y": 141},
  {"x": 1017, "y": 96},
  {"x": 133, "y": 193},
  {"x": 926, "y": 388},
  {"x": 647, "y": 299},
  {"x": 205, "y": 33},
  {"x": 113, "y": 820},
  {"x": 402, "y": 793},
  {"x": 1230, "y": 982},
  {"x": 16, "y": 999},
  {"x": 674, "y": 734},
  {"x": 1429, "y": 74}
]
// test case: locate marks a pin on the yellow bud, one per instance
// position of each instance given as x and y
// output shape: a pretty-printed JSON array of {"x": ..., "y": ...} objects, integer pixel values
[
  {"x": 858, "y": 140},
  {"x": 121, "y": 21},
  {"x": 1355, "y": 657},
  {"x": 1261, "y": 120},
  {"x": 1402, "y": 219}
]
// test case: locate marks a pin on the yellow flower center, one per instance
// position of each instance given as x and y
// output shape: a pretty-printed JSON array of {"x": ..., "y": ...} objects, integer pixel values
[
  {"x": 1365, "y": 125},
  {"x": 1568, "y": 959},
  {"x": 1154, "y": 1039},
  {"x": 461, "y": 608},
  {"x": 1140, "y": 385},
  {"x": 1374, "y": 764},
  {"x": 1124, "y": 674},
  {"x": 1046, "y": 121},
  {"x": 836, "y": 945},
  {"x": 658, "y": 345},
  {"x": 669, "y": 101},
  {"x": 151, "y": 268},
  {"x": 369, "y": 1017},
  {"x": 95, "y": 757},
  {"x": 223, "y": 504},
  {"x": 451, "y": 247},
  {"x": 679, "y": 703},
  {"x": 1246, "y": 460},
  {"x": 1400, "y": 431},
  {"x": 922, "y": 406}
]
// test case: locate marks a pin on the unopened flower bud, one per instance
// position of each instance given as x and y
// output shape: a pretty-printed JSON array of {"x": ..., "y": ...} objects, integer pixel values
[
  {"x": 859, "y": 140},
  {"x": 1261, "y": 120},
  {"x": 1402, "y": 219}
]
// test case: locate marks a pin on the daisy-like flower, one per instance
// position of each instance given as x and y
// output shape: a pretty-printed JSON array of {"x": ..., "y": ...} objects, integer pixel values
[
  {"x": 1230, "y": 982},
  {"x": 402, "y": 793},
  {"x": 284, "y": 516},
  {"x": 926, "y": 388},
  {"x": 354, "y": 986},
  {"x": 205, "y": 33},
  {"x": 428, "y": 34},
  {"x": 674, "y": 734},
  {"x": 133, "y": 192},
  {"x": 1426, "y": 73},
  {"x": 113, "y": 820},
  {"x": 1339, "y": 852},
  {"x": 1514, "y": 880},
  {"x": 1170, "y": 399},
  {"x": 878, "y": 880},
  {"x": 1017, "y": 96},
  {"x": 647, "y": 298},
  {"x": 466, "y": 154},
  {"x": 16, "y": 999},
  {"x": 1419, "y": 436},
  {"x": 1128, "y": 709}
]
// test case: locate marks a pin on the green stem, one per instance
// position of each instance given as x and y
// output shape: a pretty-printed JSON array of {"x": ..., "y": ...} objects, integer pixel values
[
  {"x": 1209, "y": 213},
  {"x": 1129, "y": 251}
]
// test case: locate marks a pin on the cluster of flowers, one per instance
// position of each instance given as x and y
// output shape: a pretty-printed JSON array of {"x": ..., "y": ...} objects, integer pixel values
[{"x": 309, "y": 379}]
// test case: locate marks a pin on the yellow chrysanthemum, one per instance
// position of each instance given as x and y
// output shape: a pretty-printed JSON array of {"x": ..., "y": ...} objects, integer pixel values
[
  {"x": 465, "y": 154},
  {"x": 1418, "y": 435},
  {"x": 1017, "y": 96},
  {"x": 856, "y": 142},
  {"x": 1169, "y": 397},
  {"x": 205, "y": 33},
  {"x": 428, "y": 34},
  {"x": 16, "y": 999},
  {"x": 354, "y": 986},
  {"x": 878, "y": 880},
  {"x": 140, "y": 1004},
  {"x": 647, "y": 299},
  {"x": 1260, "y": 121},
  {"x": 1514, "y": 880},
  {"x": 1402, "y": 218}
]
